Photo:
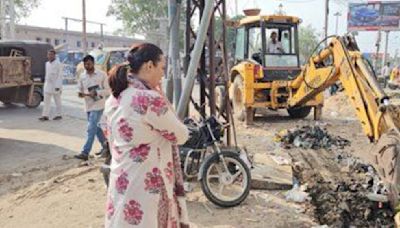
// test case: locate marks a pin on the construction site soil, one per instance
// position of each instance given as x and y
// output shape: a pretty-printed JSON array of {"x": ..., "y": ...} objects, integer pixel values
[{"x": 43, "y": 188}]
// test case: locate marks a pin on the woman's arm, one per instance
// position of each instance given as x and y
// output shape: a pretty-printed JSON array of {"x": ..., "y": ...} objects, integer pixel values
[{"x": 161, "y": 117}]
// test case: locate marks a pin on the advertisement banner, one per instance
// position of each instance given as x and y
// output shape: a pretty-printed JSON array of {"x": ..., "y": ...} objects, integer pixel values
[{"x": 373, "y": 16}]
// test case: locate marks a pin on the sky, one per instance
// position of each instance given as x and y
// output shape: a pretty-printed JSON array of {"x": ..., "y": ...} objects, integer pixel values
[{"x": 49, "y": 14}]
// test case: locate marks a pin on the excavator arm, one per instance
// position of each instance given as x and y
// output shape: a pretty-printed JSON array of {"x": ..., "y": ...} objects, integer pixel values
[{"x": 342, "y": 61}]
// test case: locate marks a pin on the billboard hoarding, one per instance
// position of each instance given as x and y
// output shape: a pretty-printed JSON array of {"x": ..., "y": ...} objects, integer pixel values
[{"x": 373, "y": 16}]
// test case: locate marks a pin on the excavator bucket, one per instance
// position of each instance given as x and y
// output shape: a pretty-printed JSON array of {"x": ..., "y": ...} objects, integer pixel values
[
  {"x": 387, "y": 156},
  {"x": 387, "y": 164}
]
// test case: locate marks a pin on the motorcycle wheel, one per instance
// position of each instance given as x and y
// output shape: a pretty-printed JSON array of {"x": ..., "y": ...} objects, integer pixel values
[{"x": 225, "y": 188}]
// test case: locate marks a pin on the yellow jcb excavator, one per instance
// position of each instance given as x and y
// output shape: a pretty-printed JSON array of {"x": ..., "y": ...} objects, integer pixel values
[{"x": 267, "y": 74}]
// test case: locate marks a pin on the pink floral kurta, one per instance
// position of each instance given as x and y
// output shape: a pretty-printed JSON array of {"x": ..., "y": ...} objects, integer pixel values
[{"x": 146, "y": 185}]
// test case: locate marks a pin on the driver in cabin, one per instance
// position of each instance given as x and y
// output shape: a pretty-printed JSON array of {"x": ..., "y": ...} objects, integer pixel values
[{"x": 274, "y": 46}]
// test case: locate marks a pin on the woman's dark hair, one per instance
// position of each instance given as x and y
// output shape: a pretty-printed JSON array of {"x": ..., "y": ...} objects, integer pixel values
[
  {"x": 137, "y": 56},
  {"x": 88, "y": 58}
]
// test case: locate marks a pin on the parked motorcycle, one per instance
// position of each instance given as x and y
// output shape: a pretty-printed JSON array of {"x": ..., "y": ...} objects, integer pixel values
[{"x": 223, "y": 172}]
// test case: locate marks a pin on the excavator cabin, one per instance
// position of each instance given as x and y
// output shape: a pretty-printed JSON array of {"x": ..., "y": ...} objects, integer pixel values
[{"x": 266, "y": 62}]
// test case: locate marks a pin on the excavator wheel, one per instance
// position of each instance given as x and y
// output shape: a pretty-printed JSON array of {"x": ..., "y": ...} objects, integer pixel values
[
  {"x": 239, "y": 110},
  {"x": 386, "y": 153},
  {"x": 299, "y": 112}
]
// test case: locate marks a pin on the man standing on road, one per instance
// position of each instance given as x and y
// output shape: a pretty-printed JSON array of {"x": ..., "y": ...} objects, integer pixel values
[
  {"x": 93, "y": 87},
  {"x": 386, "y": 74},
  {"x": 52, "y": 86}
]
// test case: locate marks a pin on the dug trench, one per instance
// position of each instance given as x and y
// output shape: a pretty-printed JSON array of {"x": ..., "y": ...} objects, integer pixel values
[{"x": 337, "y": 182}]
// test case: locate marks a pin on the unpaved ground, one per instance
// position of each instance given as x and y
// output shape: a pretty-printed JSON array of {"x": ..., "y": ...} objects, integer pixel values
[{"x": 38, "y": 188}]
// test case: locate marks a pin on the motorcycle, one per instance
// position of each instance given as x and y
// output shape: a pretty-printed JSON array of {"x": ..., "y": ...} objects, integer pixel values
[{"x": 223, "y": 172}]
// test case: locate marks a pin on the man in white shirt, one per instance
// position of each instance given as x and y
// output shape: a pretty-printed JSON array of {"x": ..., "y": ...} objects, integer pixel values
[
  {"x": 52, "y": 86},
  {"x": 386, "y": 73},
  {"x": 274, "y": 46},
  {"x": 93, "y": 88}
]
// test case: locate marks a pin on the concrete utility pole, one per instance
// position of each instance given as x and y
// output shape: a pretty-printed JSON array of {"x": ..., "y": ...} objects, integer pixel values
[
  {"x": 337, "y": 15},
  {"x": 195, "y": 57},
  {"x": 7, "y": 19},
  {"x": 378, "y": 45},
  {"x": 326, "y": 20},
  {"x": 236, "y": 8},
  {"x": 384, "y": 59},
  {"x": 12, "y": 18},
  {"x": 84, "y": 35},
  {"x": 3, "y": 19}
]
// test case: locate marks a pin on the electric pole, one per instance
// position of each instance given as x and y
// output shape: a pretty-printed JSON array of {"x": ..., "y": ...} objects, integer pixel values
[
  {"x": 326, "y": 21},
  {"x": 337, "y": 15},
  {"x": 84, "y": 38},
  {"x": 236, "y": 8},
  {"x": 7, "y": 19}
]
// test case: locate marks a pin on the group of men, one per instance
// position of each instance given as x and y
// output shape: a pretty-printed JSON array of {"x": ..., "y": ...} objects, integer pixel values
[{"x": 92, "y": 87}]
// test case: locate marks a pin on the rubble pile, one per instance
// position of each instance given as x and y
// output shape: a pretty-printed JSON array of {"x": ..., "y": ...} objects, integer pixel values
[
  {"x": 345, "y": 205},
  {"x": 344, "y": 202},
  {"x": 311, "y": 137}
]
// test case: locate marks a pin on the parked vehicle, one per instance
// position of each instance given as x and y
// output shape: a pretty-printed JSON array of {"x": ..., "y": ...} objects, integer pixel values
[
  {"x": 105, "y": 58},
  {"x": 22, "y": 71},
  {"x": 223, "y": 172},
  {"x": 70, "y": 62}
]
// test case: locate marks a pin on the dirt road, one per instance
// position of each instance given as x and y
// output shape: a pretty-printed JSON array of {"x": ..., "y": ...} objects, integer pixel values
[{"x": 40, "y": 186}]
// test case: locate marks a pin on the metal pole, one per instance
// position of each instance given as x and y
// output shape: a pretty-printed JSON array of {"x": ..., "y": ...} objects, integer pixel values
[
  {"x": 326, "y": 20},
  {"x": 169, "y": 82},
  {"x": 337, "y": 15},
  {"x": 12, "y": 18},
  {"x": 176, "y": 66},
  {"x": 195, "y": 57},
  {"x": 236, "y": 8},
  {"x": 84, "y": 38},
  {"x": 102, "y": 33},
  {"x": 3, "y": 19},
  {"x": 378, "y": 44},
  {"x": 66, "y": 33},
  {"x": 211, "y": 56},
  {"x": 384, "y": 59}
]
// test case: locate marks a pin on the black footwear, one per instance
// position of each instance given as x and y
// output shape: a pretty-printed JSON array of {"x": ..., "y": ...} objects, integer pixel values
[
  {"x": 44, "y": 118},
  {"x": 82, "y": 157},
  {"x": 103, "y": 152},
  {"x": 57, "y": 118}
]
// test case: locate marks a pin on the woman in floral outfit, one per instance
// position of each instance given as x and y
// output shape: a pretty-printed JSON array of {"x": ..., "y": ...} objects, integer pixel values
[{"x": 146, "y": 185}]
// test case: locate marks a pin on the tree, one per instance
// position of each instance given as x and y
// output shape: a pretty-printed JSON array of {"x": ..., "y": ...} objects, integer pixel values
[
  {"x": 308, "y": 40},
  {"x": 139, "y": 16},
  {"x": 24, "y": 7}
]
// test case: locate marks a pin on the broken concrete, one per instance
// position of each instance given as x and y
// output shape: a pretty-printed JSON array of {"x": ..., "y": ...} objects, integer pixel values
[{"x": 269, "y": 175}]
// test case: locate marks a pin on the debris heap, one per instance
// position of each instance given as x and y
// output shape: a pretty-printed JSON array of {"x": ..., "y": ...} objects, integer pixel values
[
  {"x": 345, "y": 203},
  {"x": 311, "y": 137}
]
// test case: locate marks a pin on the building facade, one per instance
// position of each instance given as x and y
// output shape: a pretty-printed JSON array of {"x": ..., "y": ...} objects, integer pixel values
[{"x": 72, "y": 39}]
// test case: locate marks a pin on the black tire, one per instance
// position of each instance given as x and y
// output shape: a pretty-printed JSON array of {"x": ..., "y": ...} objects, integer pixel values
[
  {"x": 214, "y": 158},
  {"x": 36, "y": 100},
  {"x": 239, "y": 111},
  {"x": 6, "y": 103},
  {"x": 300, "y": 112}
]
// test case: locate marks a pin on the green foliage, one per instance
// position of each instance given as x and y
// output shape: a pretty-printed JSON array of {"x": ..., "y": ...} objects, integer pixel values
[
  {"x": 24, "y": 7},
  {"x": 139, "y": 16},
  {"x": 308, "y": 40}
]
